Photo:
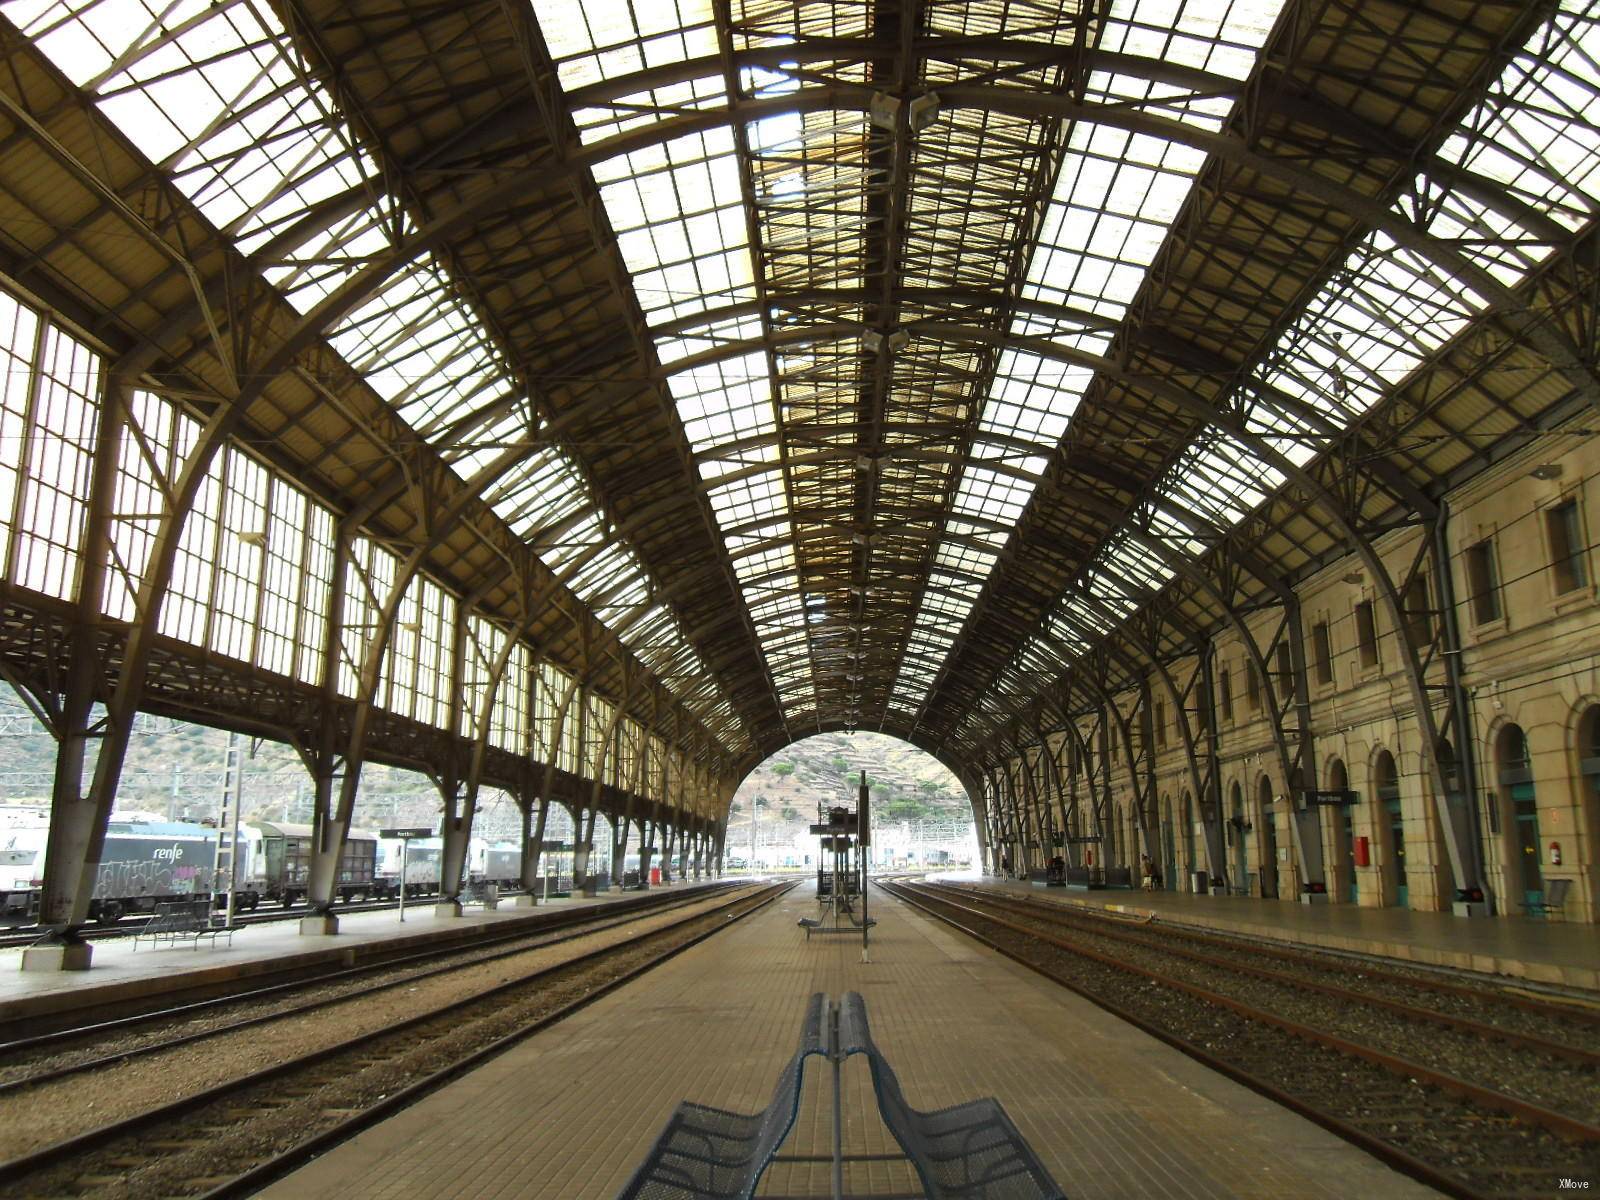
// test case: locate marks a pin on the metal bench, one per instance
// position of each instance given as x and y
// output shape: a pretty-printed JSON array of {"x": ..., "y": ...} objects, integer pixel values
[
  {"x": 1552, "y": 900},
  {"x": 709, "y": 1153},
  {"x": 180, "y": 919},
  {"x": 969, "y": 1151}
]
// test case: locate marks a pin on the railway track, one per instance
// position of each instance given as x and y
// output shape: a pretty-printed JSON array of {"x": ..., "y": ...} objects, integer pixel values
[
  {"x": 238, "y": 1133},
  {"x": 28, "y": 1063},
  {"x": 1501, "y": 1112},
  {"x": 130, "y": 925},
  {"x": 21, "y": 1034},
  {"x": 262, "y": 915}
]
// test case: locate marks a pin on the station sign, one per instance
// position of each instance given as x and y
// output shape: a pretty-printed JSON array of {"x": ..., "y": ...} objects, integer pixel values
[
  {"x": 848, "y": 825},
  {"x": 423, "y": 832},
  {"x": 1328, "y": 797}
]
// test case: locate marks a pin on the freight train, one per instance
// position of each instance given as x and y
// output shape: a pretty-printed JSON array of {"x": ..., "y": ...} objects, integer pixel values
[
  {"x": 143, "y": 863},
  {"x": 147, "y": 861}
]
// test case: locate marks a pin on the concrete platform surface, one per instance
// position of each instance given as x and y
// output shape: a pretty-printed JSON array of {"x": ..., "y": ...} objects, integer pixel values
[
  {"x": 1115, "y": 1114},
  {"x": 119, "y": 970},
  {"x": 1554, "y": 952}
]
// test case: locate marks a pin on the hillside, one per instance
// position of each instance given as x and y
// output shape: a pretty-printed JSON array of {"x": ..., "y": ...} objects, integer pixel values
[
  {"x": 176, "y": 769},
  {"x": 785, "y": 793}
]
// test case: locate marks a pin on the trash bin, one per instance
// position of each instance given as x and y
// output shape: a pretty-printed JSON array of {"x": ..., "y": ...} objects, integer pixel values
[
  {"x": 491, "y": 895},
  {"x": 1200, "y": 883},
  {"x": 655, "y": 876},
  {"x": 591, "y": 885}
]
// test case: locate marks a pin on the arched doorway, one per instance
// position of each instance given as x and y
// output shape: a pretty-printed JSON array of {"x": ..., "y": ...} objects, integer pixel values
[
  {"x": 1169, "y": 847},
  {"x": 1269, "y": 839},
  {"x": 1347, "y": 885},
  {"x": 1391, "y": 828},
  {"x": 1188, "y": 841},
  {"x": 1589, "y": 777},
  {"x": 1444, "y": 871},
  {"x": 1519, "y": 804},
  {"x": 1240, "y": 883}
]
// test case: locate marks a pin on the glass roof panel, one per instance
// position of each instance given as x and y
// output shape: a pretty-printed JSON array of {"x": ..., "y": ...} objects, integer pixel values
[{"x": 215, "y": 92}]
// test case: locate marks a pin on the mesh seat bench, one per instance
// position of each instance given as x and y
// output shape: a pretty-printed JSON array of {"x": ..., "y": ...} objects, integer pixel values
[
  {"x": 182, "y": 919},
  {"x": 709, "y": 1153},
  {"x": 1552, "y": 900},
  {"x": 969, "y": 1151}
]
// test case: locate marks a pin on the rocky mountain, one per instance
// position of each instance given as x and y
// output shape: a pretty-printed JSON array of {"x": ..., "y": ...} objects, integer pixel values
[
  {"x": 784, "y": 794},
  {"x": 177, "y": 769}
]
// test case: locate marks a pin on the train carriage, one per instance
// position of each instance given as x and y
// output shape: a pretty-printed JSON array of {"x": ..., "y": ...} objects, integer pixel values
[
  {"x": 143, "y": 863},
  {"x": 275, "y": 864}
]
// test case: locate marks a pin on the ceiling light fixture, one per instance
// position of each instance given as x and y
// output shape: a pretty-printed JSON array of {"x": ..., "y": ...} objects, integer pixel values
[{"x": 923, "y": 111}]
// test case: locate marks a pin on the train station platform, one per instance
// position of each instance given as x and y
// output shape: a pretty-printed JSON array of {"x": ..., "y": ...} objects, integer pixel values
[
  {"x": 121, "y": 971},
  {"x": 1113, "y": 1113},
  {"x": 1541, "y": 951}
]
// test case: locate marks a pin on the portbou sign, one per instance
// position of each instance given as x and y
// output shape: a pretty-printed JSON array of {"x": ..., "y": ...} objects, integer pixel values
[{"x": 406, "y": 833}]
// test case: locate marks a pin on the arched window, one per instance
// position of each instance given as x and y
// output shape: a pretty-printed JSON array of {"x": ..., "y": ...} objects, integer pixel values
[
  {"x": 1237, "y": 834},
  {"x": 1269, "y": 838},
  {"x": 1520, "y": 806},
  {"x": 1589, "y": 751},
  {"x": 1391, "y": 827},
  {"x": 1346, "y": 884}
]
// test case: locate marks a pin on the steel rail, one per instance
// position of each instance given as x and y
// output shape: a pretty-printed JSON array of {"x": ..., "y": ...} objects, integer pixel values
[
  {"x": 1527, "y": 1041},
  {"x": 528, "y": 928},
  {"x": 1486, "y": 1097},
  {"x": 96, "y": 1139},
  {"x": 1555, "y": 1006},
  {"x": 581, "y": 927}
]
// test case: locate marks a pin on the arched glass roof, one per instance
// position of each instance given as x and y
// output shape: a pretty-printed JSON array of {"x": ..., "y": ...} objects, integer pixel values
[{"x": 869, "y": 366}]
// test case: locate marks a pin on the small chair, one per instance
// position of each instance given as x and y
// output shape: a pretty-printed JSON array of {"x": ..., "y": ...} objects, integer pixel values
[
  {"x": 968, "y": 1151},
  {"x": 1552, "y": 900},
  {"x": 707, "y": 1153}
]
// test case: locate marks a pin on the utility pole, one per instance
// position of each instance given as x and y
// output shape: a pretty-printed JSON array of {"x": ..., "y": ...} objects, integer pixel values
[{"x": 755, "y": 812}]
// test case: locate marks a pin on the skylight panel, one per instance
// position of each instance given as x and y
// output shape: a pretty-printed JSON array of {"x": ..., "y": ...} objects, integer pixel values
[
  {"x": 678, "y": 212},
  {"x": 1219, "y": 37},
  {"x": 607, "y": 39},
  {"x": 1370, "y": 327},
  {"x": 722, "y": 402},
  {"x": 1222, "y": 480},
  {"x": 307, "y": 273},
  {"x": 640, "y": 109},
  {"x": 1534, "y": 132},
  {"x": 543, "y": 490},
  {"x": 420, "y": 347},
  {"x": 215, "y": 92},
  {"x": 1033, "y": 397},
  {"x": 990, "y": 495},
  {"x": 704, "y": 338},
  {"x": 1115, "y": 198}
]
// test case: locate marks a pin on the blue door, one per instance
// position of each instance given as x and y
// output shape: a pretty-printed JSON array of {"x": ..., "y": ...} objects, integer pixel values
[
  {"x": 1348, "y": 819},
  {"x": 1397, "y": 847},
  {"x": 1527, "y": 818}
]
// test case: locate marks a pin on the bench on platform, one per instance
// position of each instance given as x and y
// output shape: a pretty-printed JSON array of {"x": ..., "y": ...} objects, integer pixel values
[
  {"x": 714, "y": 1154},
  {"x": 814, "y": 925},
  {"x": 1552, "y": 900},
  {"x": 969, "y": 1151},
  {"x": 179, "y": 919}
]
